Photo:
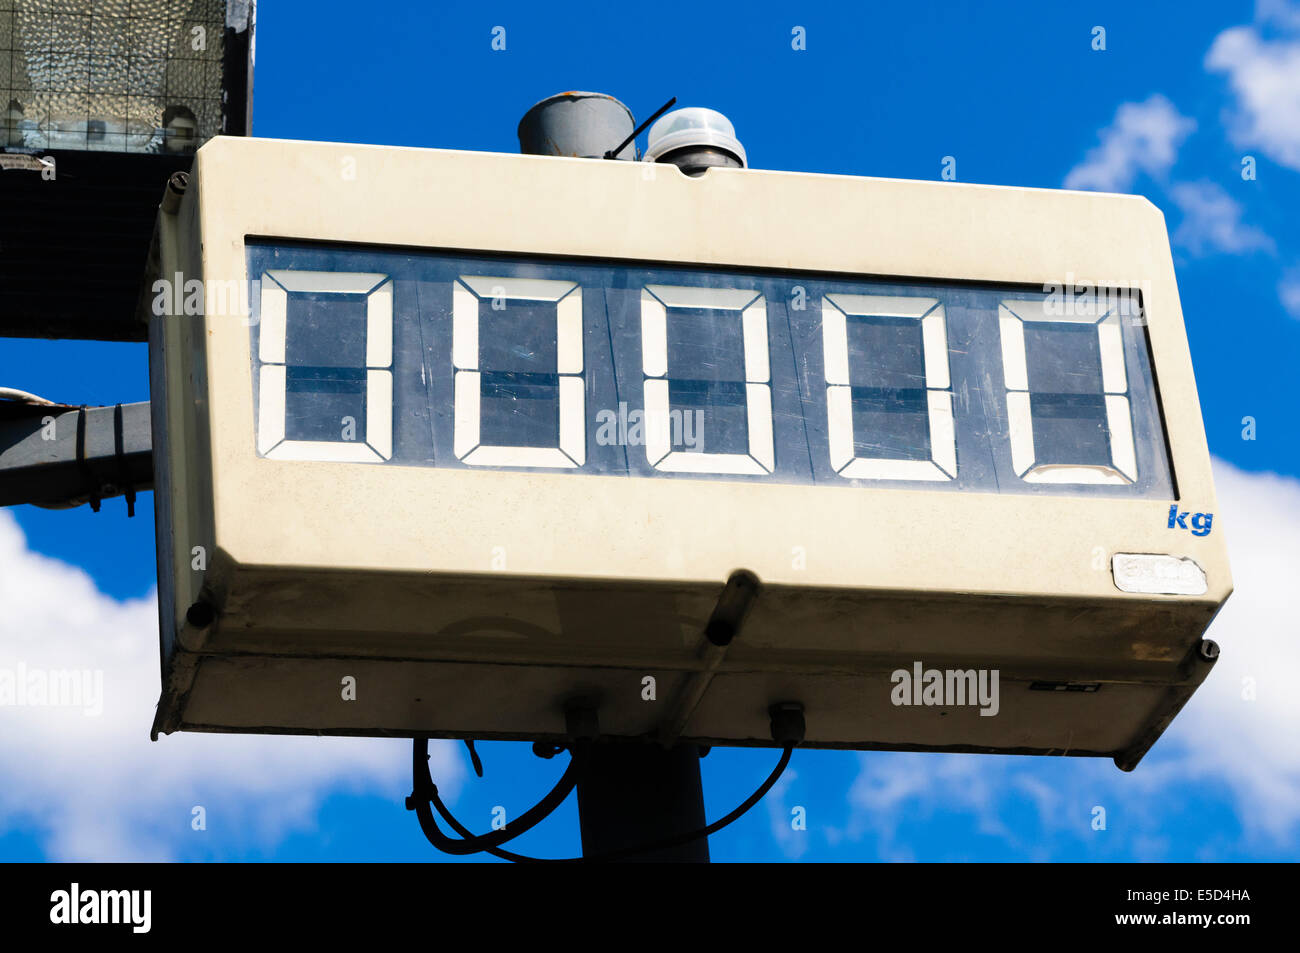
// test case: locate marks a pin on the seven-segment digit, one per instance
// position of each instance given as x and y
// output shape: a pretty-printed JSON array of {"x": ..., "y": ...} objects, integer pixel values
[
  {"x": 326, "y": 349},
  {"x": 704, "y": 350},
  {"x": 517, "y": 351},
  {"x": 1067, "y": 392},
  {"x": 888, "y": 392}
]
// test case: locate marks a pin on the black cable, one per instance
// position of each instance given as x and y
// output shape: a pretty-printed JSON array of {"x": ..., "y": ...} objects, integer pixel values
[
  {"x": 426, "y": 791},
  {"x": 474, "y": 758},
  {"x": 438, "y": 838},
  {"x": 467, "y": 834}
]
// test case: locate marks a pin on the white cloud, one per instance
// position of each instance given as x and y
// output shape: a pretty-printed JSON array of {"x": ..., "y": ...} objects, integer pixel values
[
  {"x": 1220, "y": 745},
  {"x": 1264, "y": 74},
  {"x": 1143, "y": 137},
  {"x": 1212, "y": 221},
  {"x": 1283, "y": 13},
  {"x": 891, "y": 788},
  {"x": 1254, "y": 746},
  {"x": 96, "y": 788},
  {"x": 1288, "y": 290}
]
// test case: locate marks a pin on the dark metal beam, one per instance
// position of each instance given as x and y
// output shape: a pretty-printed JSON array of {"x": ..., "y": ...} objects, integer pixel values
[{"x": 61, "y": 456}]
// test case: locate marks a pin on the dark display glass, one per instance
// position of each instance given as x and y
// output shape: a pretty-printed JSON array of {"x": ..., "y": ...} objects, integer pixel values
[{"x": 452, "y": 360}]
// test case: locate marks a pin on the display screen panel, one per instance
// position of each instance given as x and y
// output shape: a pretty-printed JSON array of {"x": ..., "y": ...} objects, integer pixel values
[{"x": 422, "y": 358}]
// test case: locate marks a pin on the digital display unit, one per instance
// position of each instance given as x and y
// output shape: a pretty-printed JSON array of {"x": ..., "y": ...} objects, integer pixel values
[
  {"x": 431, "y": 359},
  {"x": 480, "y": 435}
]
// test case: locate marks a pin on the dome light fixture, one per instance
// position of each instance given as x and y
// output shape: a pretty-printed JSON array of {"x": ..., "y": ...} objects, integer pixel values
[{"x": 695, "y": 139}]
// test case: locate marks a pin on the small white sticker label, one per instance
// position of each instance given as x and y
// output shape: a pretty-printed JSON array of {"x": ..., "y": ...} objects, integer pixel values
[{"x": 1158, "y": 574}]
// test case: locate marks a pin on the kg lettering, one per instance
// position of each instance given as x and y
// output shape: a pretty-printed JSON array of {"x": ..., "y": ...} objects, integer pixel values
[{"x": 1199, "y": 523}]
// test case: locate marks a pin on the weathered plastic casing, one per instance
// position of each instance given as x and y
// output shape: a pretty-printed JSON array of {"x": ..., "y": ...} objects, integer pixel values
[{"x": 321, "y": 570}]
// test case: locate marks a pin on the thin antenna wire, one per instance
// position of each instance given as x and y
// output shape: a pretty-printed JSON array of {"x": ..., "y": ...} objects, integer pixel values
[{"x": 639, "y": 129}]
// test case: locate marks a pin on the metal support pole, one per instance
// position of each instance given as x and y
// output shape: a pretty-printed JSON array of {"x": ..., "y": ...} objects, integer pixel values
[
  {"x": 58, "y": 456},
  {"x": 633, "y": 794}
]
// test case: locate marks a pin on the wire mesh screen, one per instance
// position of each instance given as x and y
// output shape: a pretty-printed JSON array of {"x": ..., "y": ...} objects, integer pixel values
[{"x": 139, "y": 76}]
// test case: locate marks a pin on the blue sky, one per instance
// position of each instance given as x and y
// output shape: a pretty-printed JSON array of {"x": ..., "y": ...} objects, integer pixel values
[{"x": 1016, "y": 94}]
